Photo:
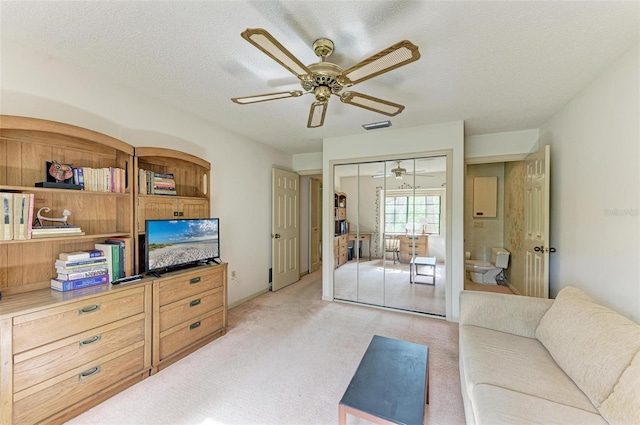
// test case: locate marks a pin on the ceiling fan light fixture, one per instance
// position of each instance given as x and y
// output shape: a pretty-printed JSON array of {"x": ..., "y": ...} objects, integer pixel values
[
  {"x": 316, "y": 115},
  {"x": 263, "y": 97},
  {"x": 276, "y": 51},
  {"x": 377, "y": 125},
  {"x": 323, "y": 79},
  {"x": 371, "y": 103},
  {"x": 398, "y": 55}
]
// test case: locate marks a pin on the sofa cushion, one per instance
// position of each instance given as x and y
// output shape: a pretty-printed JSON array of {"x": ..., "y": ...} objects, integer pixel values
[
  {"x": 494, "y": 405},
  {"x": 517, "y": 363},
  {"x": 622, "y": 407},
  {"x": 590, "y": 342},
  {"x": 515, "y": 314}
]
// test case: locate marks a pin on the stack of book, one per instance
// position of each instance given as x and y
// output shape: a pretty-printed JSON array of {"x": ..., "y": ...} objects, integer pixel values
[
  {"x": 55, "y": 231},
  {"x": 152, "y": 183},
  {"x": 80, "y": 269}
]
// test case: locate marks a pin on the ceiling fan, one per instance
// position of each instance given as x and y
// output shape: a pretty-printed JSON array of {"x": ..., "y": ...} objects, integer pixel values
[
  {"x": 398, "y": 172},
  {"x": 322, "y": 79}
]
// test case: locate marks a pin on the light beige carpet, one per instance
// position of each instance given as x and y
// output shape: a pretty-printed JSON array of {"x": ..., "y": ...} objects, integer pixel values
[{"x": 287, "y": 359}]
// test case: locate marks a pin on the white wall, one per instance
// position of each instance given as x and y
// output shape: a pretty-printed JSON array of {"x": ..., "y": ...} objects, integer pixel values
[
  {"x": 479, "y": 240},
  {"x": 595, "y": 188},
  {"x": 445, "y": 138},
  {"x": 36, "y": 85},
  {"x": 507, "y": 146}
]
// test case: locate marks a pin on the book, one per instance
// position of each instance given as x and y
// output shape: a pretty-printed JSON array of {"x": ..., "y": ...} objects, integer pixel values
[
  {"x": 80, "y": 269},
  {"x": 55, "y": 235},
  {"x": 30, "y": 220},
  {"x": 55, "y": 229},
  {"x": 110, "y": 253},
  {"x": 164, "y": 176},
  {"x": 80, "y": 178},
  {"x": 124, "y": 264},
  {"x": 73, "y": 275},
  {"x": 69, "y": 285},
  {"x": 81, "y": 255},
  {"x": 20, "y": 216},
  {"x": 6, "y": 216},
  {"x": 85, "y": 262}
]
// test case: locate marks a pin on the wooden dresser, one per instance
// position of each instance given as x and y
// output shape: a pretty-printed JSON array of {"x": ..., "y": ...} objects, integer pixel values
[
  {"x": 64, "y": 352},
  {"x": 189, "y": 310},
  {"x": 413, "y": 246}
]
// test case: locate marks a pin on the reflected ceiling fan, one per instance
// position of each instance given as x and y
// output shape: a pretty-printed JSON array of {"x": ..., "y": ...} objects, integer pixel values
[
  {"x": 398, "y": 172},
  {"x": 322, "y": 79}
]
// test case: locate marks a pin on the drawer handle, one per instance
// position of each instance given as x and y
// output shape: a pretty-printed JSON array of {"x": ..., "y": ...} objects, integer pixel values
[
  {"x": 89, "y": 309},
  {"x": 195, "y": 302},
  {"x": 88, "y": 373},
  {"x": 194, "y": 325},
  {"x": 90, "y": 341},
  {"x": 194, "y": 280}
]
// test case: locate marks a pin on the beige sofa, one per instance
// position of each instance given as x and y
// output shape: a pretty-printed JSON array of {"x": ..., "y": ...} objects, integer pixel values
[{"x": 566, "y": 361}]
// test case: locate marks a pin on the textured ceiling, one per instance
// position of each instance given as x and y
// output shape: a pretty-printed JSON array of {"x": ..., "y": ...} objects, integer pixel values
[{"x": 499, "y": 66}]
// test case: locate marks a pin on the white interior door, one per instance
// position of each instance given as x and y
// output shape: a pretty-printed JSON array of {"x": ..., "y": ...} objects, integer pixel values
[
  {"x": 284, "y": 228},
  {"x": 315, "y": 223},
  {"x": 537, "y": 223}
]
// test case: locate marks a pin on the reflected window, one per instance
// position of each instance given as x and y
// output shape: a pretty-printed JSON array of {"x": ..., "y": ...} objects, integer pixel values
[{"x": 412, "y": 213}]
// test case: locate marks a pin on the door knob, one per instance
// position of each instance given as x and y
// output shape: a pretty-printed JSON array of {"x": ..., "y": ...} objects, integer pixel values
[
  {"x": 277, "y": 236},
  {"x": 539, "y": 249},
  {"x": 552, "y": 250}
]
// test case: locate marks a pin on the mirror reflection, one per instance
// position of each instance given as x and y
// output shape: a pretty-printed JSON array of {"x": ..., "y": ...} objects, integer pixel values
[{"x": 389, "y": 241}]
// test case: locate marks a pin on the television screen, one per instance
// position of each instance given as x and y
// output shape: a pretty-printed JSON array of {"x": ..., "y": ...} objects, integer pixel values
[{"x": 172, "y": 244}]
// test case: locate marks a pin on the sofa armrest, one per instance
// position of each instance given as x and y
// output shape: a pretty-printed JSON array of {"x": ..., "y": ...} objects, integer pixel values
[{"x": 514, "y": 314}]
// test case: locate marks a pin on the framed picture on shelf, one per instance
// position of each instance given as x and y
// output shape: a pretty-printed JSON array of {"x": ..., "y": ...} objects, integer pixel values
[{"x": 58, "y": 176}]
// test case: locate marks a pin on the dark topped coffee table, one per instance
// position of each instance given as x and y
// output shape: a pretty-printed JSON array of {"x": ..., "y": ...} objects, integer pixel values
[{"x": 391, "y": 384}]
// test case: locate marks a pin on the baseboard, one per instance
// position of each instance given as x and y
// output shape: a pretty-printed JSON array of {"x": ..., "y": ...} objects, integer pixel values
[
  {"x": 245, "y": 299},
  {"x": 510, "y": 286}
]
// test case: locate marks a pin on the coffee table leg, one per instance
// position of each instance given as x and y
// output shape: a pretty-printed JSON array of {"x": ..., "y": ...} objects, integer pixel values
[{"x": 342, "y": 415}]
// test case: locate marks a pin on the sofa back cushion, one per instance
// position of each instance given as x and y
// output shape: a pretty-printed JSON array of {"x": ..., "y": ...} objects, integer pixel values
[{"x": 591, "y": 343}]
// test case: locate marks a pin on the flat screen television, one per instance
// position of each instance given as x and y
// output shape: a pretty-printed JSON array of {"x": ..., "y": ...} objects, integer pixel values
[{"x": 176, "y": 244}]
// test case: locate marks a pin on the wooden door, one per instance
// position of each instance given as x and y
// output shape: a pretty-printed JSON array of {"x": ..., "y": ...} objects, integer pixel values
[
  {"x": 155, "y": 208},
  {"x": 285, "y": 228},
  {"x": 537, "y": 223},
  {"x": 315, "y": 223},
  {"x": 194, "y": 208}
]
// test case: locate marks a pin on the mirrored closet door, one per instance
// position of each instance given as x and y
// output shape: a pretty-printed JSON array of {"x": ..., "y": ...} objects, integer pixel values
[{"x": 389, "y": 228}]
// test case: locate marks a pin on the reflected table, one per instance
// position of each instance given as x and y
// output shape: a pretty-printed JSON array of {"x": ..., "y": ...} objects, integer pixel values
[
  {"x": 417, "y": 262},
  {"x": 360, "y": 237}
]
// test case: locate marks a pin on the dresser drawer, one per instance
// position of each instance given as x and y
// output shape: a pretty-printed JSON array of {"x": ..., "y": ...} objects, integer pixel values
[
  {"x": 410, "y": 246},
  {"x": 40, "y": 364},
  {"x": 189, "y": 308},
  {"x": 42, "y": 327},
  {"x": 188, "y": 284},
  {"x": 180, "y": 337},
  {"x": 36, "y": 404}
]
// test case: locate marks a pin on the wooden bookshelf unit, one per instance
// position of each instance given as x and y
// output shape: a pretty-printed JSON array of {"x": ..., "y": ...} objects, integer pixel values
[
  {"x": 63, "y": 352},
  {"x": 192, "y": 176}
]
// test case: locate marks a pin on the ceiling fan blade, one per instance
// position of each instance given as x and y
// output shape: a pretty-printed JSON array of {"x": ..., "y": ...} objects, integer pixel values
[
  {"x": 276, "y": 51},
  {"x": 316, "y": 114},
  {"x": 264, "y": 97},
  {"x": 371, "y": 103},
  {"x": 398, "y": 55}
]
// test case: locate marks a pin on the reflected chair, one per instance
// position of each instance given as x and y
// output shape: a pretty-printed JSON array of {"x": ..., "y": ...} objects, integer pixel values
[{"x": 392, "y": 245}]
